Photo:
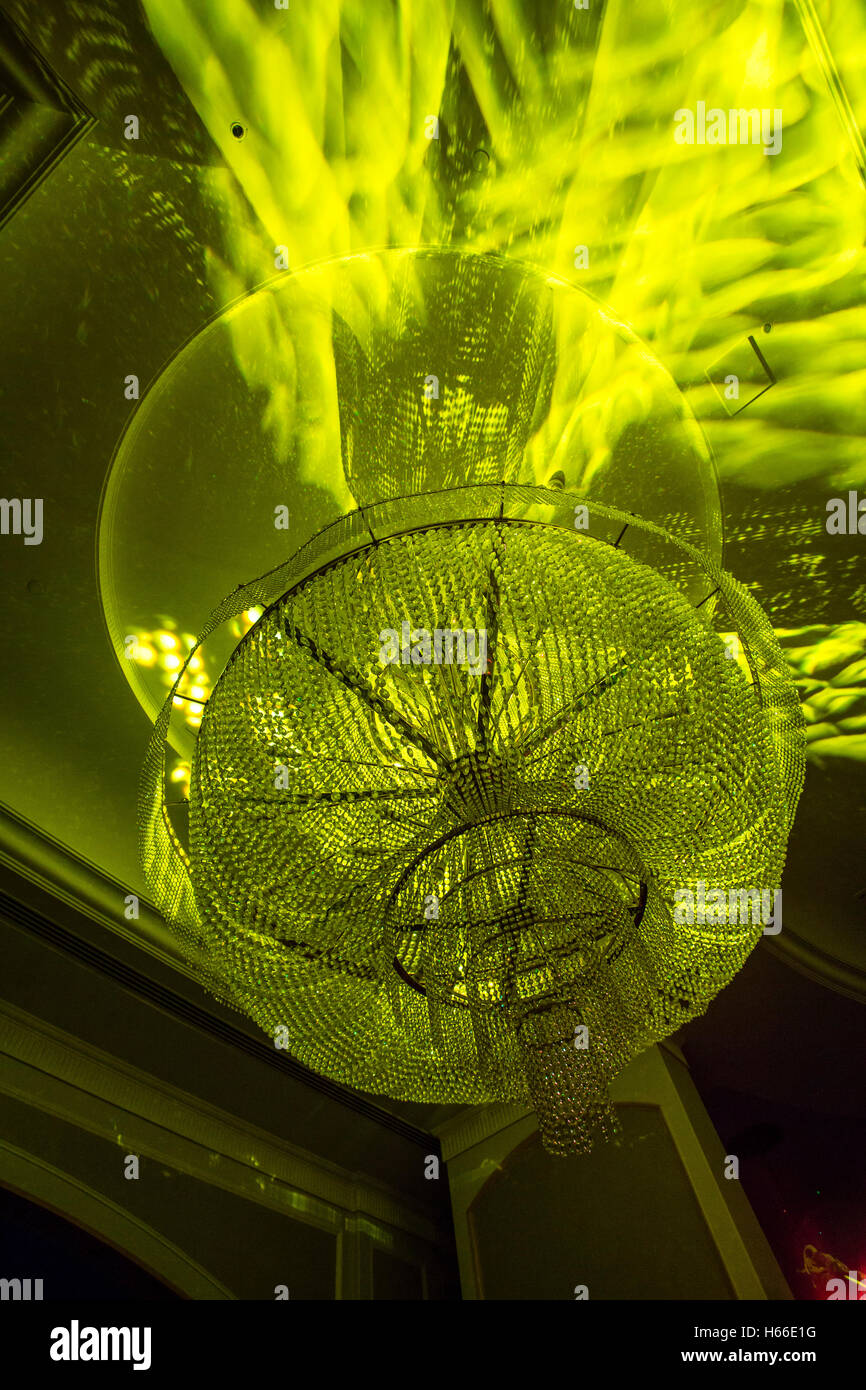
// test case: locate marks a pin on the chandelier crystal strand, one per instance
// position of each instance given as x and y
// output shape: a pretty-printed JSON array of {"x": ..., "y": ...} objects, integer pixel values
[{"x": 454, "y": 880}]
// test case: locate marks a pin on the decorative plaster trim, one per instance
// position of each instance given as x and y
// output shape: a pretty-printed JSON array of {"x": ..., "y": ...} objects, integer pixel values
[
  {"x": 95, "y": 1212},
  {"x": 825, "y": 969},
  {"x": 49, "y": 864},
  {"x": 476, "y": 1124},
  {"x": 61, "y": 1075}
]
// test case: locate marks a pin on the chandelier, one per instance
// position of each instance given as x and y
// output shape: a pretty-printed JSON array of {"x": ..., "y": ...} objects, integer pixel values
[{"x": 453, "y": 783}]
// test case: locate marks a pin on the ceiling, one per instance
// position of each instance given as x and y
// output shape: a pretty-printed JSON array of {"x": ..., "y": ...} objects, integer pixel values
[{"x": 116, "y": 251}]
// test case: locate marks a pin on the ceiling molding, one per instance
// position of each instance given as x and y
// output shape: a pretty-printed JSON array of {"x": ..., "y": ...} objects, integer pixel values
[
  {"x": 61, "y": 1075},
  {"x": 53, "y": 868},
  {"x": 41, "y": 118},
  {"x": 50, "y": 865},
  {"x": 75, "y": 1201},
  {"x": 818, "y": 965}
]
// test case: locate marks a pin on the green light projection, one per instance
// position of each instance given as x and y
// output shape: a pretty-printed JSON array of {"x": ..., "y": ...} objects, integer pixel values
[{"x": 555, "y": 135}]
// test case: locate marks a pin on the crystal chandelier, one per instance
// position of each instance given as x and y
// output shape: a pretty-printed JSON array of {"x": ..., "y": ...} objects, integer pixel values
[{"x": 450, "y": 786}]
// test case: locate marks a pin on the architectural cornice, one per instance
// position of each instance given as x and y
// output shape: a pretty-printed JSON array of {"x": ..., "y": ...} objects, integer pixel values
[
  {"x": 27, "y": 850},
  {"x": 142, "y": 956},
  {"x": 76, "y": 1082}
]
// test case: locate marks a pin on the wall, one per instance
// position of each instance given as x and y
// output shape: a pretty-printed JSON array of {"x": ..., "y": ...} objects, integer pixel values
[{"x": 650, "y": 1216}]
